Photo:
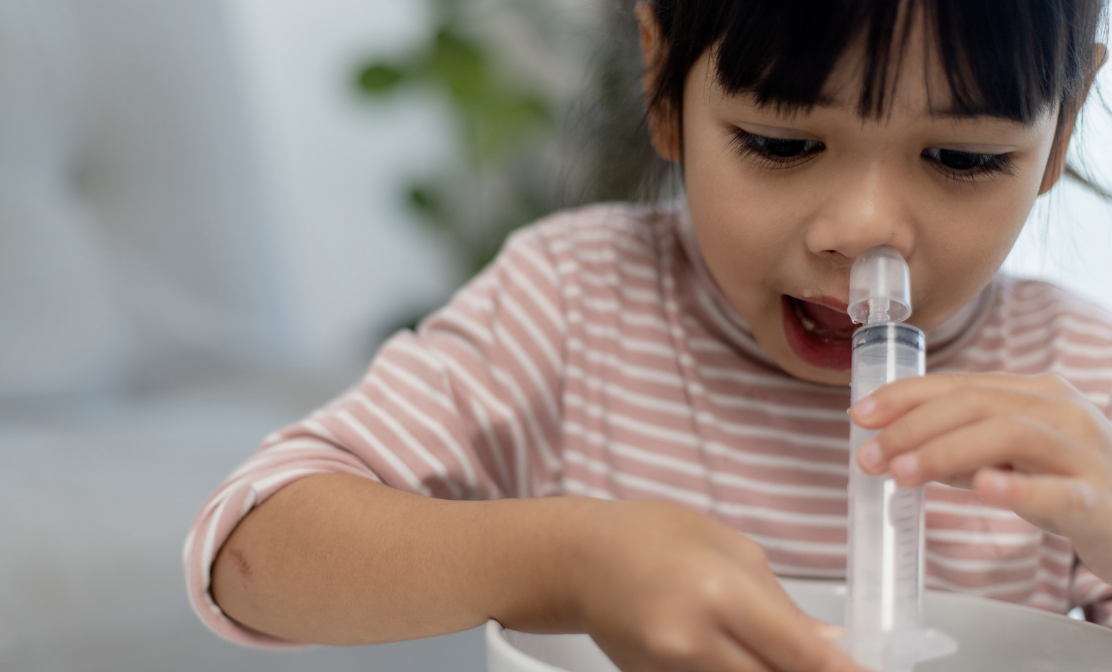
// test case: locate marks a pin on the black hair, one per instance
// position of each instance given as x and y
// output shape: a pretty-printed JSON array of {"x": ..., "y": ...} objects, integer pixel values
[{"x": 1005, "y": 58}]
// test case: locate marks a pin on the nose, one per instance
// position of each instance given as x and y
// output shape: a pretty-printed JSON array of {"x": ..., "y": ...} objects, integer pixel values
[{"x": 864, "y": 206}]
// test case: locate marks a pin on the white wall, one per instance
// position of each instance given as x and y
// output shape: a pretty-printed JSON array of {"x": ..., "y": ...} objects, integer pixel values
[
  {"x": 1068, "y": 237},
  {"x": 166, "y": 168},
  {"x": 352, "y": 257},
  {"x": 62, "y": 324},
  {"x": 192, "y": 183}
]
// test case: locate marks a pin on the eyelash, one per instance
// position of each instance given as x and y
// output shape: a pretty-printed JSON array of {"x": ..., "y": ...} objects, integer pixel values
[
  {"x": 757, "y": 147},
  {"x": 984, "y": 164}
]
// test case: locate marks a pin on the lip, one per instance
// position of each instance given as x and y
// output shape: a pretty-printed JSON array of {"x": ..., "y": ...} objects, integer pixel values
[
  {"x": 827, "y": 301},
  {"x": 827, "y": 352}
]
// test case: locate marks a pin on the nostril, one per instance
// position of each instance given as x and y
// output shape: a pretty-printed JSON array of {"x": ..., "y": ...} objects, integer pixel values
[{"x": 836, "y": 259}]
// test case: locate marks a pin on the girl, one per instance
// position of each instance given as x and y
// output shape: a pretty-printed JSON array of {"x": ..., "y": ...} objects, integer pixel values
[{"x": 692, "y": 361}]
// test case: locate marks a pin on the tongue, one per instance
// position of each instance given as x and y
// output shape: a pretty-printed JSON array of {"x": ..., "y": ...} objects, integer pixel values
[{"x": 828, "y": 318}]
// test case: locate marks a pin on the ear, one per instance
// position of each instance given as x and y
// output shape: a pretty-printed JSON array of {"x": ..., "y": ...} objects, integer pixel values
[
  {"x": 664, "y": 129},
  {"x": 1056, "y": 165}
]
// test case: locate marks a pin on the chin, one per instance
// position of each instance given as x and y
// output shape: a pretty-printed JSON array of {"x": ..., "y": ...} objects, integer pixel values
[{"x": 781, "y": 353}]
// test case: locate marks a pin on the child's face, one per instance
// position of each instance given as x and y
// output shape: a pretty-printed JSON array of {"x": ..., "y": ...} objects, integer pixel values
[{"x": 780, "y": 221}]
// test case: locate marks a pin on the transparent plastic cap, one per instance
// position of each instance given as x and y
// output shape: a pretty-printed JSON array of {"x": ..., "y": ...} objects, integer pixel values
[{"x": 879, "y": 287}]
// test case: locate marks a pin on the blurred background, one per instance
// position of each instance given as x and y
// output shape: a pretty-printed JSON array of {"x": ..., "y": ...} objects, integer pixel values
[{"x": 212, "y": 211}]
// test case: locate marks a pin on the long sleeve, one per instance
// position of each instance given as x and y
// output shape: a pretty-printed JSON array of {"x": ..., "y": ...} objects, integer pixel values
[{"x": 466, "y": 408}]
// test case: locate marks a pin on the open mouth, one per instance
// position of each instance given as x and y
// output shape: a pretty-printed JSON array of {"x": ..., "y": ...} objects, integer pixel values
[{"x": 818, "y": 335}]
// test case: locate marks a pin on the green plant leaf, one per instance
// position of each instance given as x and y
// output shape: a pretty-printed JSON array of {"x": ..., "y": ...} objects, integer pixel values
[
  {"x": 504, "y": 124},
  {"x": 427, "y": 202},
  {"x": 380, "y": 78}
]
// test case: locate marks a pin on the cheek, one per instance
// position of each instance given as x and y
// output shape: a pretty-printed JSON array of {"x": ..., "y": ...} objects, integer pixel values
[
  {"x": 730, "y": 215},
  {"x": 743, "y": 238},
  {"x": 965, "y": 247},
  {"x": 743, "y": 225}
]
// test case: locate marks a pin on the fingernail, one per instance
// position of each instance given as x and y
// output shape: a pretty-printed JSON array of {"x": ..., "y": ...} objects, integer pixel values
[
  {"x": 904, "y": 467},
  {"x": 870, "y": 455},
  {"x": 865, "y": 407},
  {"x": 997, "y": 483}
]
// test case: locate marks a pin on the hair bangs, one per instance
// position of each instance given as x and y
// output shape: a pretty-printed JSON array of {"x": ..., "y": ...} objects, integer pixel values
[
  {"x": 1012, "y": 59},
  {"x": 1015, "y": 59}
]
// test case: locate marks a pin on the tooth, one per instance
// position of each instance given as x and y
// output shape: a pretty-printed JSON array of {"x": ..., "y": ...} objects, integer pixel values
[{"x": 808, "y": 323}]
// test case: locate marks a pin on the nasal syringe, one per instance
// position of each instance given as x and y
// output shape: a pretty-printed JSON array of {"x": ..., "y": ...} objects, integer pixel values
[{"x": 884, "y": 574}]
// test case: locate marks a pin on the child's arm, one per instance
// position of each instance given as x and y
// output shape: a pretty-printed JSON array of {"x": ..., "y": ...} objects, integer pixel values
[
  {"x": 343, "y": 560},
  {"x": 338, "y": 559}
]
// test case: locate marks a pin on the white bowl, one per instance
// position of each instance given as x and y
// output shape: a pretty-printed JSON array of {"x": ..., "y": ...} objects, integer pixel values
[{"x": 992, "y": 636}]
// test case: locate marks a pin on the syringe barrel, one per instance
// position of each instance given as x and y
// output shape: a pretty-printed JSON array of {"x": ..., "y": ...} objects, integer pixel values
[
  {"x": 884, "y": 572},
  {"x": 883, "y": 353}
]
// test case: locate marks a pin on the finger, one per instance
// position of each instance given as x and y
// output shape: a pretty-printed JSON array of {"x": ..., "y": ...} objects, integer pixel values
[
  {"x": 1016, "y": 440},
  {"x": 786, "y": 639},
  {"x": 1054, "y": 503},
  {"x": 703, "y": 649},
  {"x": 933, "y": 418},
  {"x": 726, "y": 654},
  {"x": 897, "y": 398},
  {"x": 748, "y": 553},
  {"x": 944, "y": 415},
  {"x": 964, "y": 480}
]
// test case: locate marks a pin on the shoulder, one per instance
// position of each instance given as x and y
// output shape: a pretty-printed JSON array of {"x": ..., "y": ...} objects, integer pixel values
[
  {"x": 616, "y": 251},
  {"x": 599, "y": 248},
  {"x": 1037, "y": 306},
  {"x": 1038, "y": 327},
  {"x": 601, "y": 232}
]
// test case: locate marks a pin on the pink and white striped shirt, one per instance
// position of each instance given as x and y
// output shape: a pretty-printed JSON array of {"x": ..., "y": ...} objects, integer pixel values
[{"x": 597, "y": 357}]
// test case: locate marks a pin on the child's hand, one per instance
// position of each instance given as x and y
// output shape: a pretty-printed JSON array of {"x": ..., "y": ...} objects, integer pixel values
[
  {"x": 661, "y": 587},
  {"x": 1032, "y": 444}
]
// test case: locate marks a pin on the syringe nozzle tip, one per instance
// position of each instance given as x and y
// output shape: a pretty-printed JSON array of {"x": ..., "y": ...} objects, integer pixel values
[{"x": 880, "y": 287}]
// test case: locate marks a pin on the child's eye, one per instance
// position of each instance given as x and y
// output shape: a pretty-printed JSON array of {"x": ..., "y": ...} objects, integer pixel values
[
  {"x": 967, "y": 165},
  {"x": 780, "y": 152}
]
